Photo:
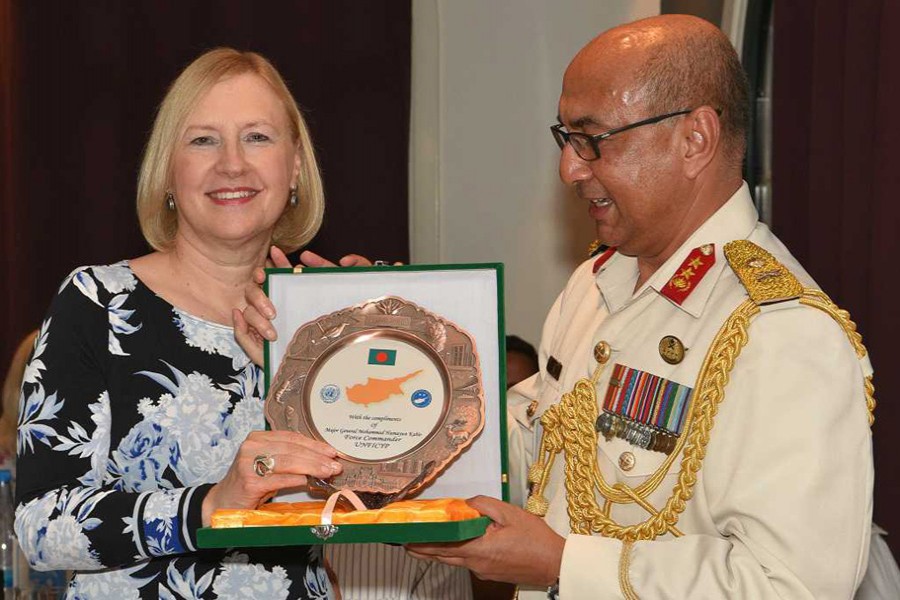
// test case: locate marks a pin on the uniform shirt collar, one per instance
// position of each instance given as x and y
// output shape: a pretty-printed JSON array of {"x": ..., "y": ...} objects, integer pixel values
[{"x": 735, "y": 220}]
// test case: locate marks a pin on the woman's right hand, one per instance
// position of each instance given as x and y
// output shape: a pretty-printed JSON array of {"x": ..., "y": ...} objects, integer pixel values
[{"x": 296, "y": 458}]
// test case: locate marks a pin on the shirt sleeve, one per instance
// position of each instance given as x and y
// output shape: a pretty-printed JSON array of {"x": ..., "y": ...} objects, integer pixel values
[
  {"x": 69, "y": 515},
  {"x": 787, "y": 480}
]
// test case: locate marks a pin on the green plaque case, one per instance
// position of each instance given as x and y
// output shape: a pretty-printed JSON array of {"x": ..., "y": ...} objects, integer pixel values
[
  {"x": 386, "y": 533},
  {"x": 469, "y": 295}
]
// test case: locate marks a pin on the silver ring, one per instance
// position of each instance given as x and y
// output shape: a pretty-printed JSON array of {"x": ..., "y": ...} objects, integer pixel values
[
  {"x": 264, "y": 464},
  {"x": 380, "y": 263}
]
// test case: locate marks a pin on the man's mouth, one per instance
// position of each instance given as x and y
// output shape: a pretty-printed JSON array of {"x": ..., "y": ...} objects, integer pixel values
[{"x": 601, "y": 202}]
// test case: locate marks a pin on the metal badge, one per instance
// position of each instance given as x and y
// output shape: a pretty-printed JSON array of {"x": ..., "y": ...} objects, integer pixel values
[
  {"x": 391, "y": 386},
  {"x": 671, "y": 349}
]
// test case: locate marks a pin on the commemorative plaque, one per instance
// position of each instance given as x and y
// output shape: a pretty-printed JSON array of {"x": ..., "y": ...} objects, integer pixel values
[
  {"x": 400, "y": 369},
  {"x": 393, "y": 387}
]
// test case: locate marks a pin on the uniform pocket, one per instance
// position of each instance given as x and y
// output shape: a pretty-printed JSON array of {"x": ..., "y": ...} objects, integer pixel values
[{"x": 631, "y": 464}]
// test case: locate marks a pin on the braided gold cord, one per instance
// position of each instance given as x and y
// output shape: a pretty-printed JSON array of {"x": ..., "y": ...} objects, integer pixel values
[
  {"x": 624, "y": 581},
  {"x": 569, "y": 426},
  {"x": 819, "y": 299},
  {"x": 870, "y": 400},
  {"x": 550, "y": 421},
  {"x": 578, "y": 410},
  {"x": 575, "y": 417},
  {"x": 645, "y": 505}
]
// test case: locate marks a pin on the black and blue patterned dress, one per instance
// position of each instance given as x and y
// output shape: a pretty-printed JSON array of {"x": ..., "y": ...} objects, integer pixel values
[{"x": 130, "y": 410}]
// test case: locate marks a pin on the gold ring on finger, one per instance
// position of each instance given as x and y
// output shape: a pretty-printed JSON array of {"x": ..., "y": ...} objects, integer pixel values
[{"x": 264, "y": 464}]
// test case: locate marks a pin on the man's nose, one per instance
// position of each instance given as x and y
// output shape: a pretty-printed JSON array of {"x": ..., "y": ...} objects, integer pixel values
[{"x": 572, "y": 168}]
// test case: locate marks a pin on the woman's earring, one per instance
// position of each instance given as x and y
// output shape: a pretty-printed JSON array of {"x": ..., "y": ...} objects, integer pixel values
[
  {"x": 295, "y": 201},
  {"x": 170, "y": 200}
]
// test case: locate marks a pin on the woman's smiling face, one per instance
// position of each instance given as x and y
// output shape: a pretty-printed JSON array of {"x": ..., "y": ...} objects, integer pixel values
[{"x": 234, "y": 163}]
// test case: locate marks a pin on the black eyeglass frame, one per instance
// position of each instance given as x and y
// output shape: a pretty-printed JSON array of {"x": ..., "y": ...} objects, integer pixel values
[{"x": 593, "y": 141}]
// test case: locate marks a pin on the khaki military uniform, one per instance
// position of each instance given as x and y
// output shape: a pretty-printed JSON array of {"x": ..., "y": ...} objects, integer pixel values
[{"x": 782, "y": 505}]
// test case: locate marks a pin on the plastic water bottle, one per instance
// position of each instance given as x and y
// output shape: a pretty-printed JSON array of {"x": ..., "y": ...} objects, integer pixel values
[{"x": 8, "y": 546}]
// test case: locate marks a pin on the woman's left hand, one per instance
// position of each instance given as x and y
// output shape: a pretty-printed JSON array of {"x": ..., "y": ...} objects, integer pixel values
[
  {"x": 252, "y": 326},
  {"x": 291, "y": 457}
]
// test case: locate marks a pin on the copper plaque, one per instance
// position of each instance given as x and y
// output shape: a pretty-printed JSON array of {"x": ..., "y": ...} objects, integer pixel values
[{"x": 394, "y": 388}]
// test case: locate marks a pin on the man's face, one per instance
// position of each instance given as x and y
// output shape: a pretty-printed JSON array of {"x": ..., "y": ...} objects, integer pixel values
[{"x": 633, "y": 189}]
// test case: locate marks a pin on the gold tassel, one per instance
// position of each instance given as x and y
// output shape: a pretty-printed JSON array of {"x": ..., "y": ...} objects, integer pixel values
[{"x": 537, "y": 505}]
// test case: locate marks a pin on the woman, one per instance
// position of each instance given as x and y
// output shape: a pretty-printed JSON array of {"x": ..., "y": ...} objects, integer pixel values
[{"x": 140, "y": 414}]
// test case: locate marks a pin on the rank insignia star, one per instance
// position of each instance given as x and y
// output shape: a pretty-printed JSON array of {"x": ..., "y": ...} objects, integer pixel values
[{"x": 690, "y": 273}]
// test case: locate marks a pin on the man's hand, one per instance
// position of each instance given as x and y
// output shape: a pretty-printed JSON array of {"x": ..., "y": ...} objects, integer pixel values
[{"x": 517, "y": 547}]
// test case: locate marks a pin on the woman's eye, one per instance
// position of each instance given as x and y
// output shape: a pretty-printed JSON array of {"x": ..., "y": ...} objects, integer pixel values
[
  {"x": 203, "y": 140},
  {"x": 257, "y": 137}
]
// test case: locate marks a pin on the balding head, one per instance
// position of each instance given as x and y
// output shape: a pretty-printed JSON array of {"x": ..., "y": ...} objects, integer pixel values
[{"x": 670, "y": 63}]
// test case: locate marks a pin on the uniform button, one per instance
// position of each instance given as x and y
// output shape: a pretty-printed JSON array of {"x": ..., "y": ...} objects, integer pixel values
[
  {"x": 602, "y": 352},
  {"x": 532, "y": 407},
  {"x": 671, "y": 349},
  {"x": 626, "y": 461}
]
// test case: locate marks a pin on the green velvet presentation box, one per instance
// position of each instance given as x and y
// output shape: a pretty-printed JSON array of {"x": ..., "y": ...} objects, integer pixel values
[{"x": 402, "y": 370}]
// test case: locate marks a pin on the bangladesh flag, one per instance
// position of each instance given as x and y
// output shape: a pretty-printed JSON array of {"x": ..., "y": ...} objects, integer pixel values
[{"x": 382, "y": 357}]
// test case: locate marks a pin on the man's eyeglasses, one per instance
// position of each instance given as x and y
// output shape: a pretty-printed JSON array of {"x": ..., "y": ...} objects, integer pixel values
[{"x": 588, "y": 146}]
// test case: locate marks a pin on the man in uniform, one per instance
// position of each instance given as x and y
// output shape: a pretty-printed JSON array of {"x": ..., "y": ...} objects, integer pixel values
[{"x": 699, "y": 427}]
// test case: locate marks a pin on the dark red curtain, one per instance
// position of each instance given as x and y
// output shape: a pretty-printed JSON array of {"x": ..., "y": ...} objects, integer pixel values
[
  {"x": 80, "y": 83},
  {"x": 835, "y": 183}
]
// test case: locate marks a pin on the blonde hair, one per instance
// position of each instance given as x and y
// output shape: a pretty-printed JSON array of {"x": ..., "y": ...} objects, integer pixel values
[
  {"x": 159, "y": 225},
  {"x": 12, "y": 389}
]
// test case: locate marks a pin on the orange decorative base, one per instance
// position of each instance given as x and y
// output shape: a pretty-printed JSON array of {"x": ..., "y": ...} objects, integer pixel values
[{"x": 310, "y": 513}]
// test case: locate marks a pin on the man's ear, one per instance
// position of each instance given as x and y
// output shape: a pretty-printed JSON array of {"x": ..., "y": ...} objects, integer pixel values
[{"x": 701, "y": 131}]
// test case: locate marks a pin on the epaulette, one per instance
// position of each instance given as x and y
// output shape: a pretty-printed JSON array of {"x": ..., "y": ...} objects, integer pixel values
[{"x": 767, "y": 281}]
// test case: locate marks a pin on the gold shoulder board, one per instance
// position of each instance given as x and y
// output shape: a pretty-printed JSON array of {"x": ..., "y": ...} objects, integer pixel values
[{"x": 767, "y": 280}]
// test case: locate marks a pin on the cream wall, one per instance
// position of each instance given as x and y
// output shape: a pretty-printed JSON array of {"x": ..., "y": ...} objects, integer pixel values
[{"x": 486, "y": 76}]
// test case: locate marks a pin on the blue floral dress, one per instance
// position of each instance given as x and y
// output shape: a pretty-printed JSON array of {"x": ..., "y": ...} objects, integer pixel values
[{"x": 130, "y": 410}]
